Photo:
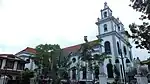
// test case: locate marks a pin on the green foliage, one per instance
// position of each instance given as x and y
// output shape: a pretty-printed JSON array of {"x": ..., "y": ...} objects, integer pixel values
[
  {"x": 64, "y": 67},
  {"x": 26, "y": 75},
  {"x": 141, "y": 6},
  {"x": 141, "y": 33},
  {"x": 43, "y": 53},
  {"x": 101, "y": 57},
  {"x": 48, "y": 57},
  {"x": 86, "y": 53}
]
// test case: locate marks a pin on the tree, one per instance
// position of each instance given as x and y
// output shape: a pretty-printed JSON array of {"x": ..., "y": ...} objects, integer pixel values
[
  {"x": 141, "y": 33},
  {"x": 63, "y": 68},
  {"x": 86, "y": 54},
  {"x": 47, "y": 59},
  {"x": 26, "y": 75}
]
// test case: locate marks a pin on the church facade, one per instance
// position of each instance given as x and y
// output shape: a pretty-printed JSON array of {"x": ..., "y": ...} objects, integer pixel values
[{"x": 115, "y": 44}]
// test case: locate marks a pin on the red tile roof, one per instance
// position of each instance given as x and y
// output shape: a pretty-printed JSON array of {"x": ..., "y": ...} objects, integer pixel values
[
  {"x": 28, "y": 49},
  {"x": 73, "y": 49},
  {"x": 31, "y": 50}
]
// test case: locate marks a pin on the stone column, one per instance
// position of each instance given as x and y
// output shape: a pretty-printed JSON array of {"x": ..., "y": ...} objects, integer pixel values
[
  {"x": 102, "y": 75},
  {"x": 3, "y": 63},
  {"x": 15, "y": 66},
  {"x": 81, "y": 75},
  {"x": 70, "y": 74}
]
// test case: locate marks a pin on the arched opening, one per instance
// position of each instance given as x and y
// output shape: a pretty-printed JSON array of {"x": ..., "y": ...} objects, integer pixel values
[
  {"x": 118, "y": 48},
  {"x": 84, "y": 72},
  {"x": 118, "y": 28},
  {"x": 117, "y": 61},
  {"x": 127, "y": 60},
  {"x": 97, "y": 72},
  {"x": 105, "y": 27},
  {"x": 73, "y": 60},
  {"x": 74, "y": 73},
  {"x": 105, "y": 14},
  {"x": 110, "y": 69},
  {"x": 107, "y": 47},
  {"x": 124, "y": 49}
]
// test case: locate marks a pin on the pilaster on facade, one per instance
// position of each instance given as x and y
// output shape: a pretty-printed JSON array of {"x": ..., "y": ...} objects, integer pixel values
[{"x": 3, "y": 63}]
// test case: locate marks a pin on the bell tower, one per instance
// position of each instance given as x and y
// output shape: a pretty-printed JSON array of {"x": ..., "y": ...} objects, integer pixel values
[{"x": 106, "y": 12}]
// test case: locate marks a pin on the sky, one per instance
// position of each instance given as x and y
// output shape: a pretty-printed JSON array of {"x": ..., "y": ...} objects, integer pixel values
[{"x": 27, "y": 23}]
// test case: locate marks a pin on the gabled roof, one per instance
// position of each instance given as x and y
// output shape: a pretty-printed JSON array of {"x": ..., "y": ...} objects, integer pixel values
[
  {"x": 71, "y": 49},
  {"x": 28, "y": 50},
  {"x": 76, "y": 48},
  {"x": 11, "y": 57}
]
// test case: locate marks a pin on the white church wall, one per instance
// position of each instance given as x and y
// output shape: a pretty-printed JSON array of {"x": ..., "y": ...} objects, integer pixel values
[
  {"x": 103, "y": 13},
  {"x": 109, "y": 29},
  {"x": 108, "y": 38},
  {"x": 74, "y": 63}
]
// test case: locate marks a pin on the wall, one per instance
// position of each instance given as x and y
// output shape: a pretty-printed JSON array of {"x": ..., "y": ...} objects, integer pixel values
[
  {"x": 31, "y": 65},
  {"x": 109, "y": 29}
]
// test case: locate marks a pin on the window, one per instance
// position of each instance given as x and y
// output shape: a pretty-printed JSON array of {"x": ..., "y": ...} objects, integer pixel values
[
  {"x": 1, "y": 62},
  {"x": 20, "y": 66},
  {"x": 118, "y": 48},
  {"x": 117, "y": 61},
  {"x": 127, "y": 60},
  {"x": 74, "y": 73},
  {"x": 110, "y": 70},
  {"x": 118, "y": 28},
  {"x": 74, "y": 60},
  {"x": 105, "y": 14},
  {"x": 97, "y": 73},
  {"x": 105, "y": 27},
  {"x": 107, "y": 47},
  {"x": 84, "y": 72},
  {"x": 10, "y": 64},
  {"x": 124, "y": 49}
]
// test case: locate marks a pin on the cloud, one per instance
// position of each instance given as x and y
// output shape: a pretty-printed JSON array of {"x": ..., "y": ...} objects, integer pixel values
[{"x": 31, "y": 22}]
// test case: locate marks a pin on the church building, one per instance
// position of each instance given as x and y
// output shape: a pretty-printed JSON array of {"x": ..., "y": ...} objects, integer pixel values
[{"x": 115, "y": 44}]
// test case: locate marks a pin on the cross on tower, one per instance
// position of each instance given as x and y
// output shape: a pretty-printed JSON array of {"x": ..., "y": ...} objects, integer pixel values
[{"x": 105, "y": 5}]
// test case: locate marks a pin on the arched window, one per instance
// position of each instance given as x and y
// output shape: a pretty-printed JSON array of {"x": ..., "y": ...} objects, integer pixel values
[
  {"x": 127, "y": 61},
  {"x": 107, "y": 47},
  {"x": 118, "y": 28},
  {"x": 117, "y": 61},
  {"x": 73, "y": 60},
  {"x": 105, "y": 14},
  {"x": 124, "y": 49},
  {"x": 73, "y": 73},
  {"x": 110, "y": 69},
  {"x": 84, "y": 72},
  {"x": 118, "y": 48},
  {"x": 97, "y": 72},
  {"x": 105, "y": 27}
]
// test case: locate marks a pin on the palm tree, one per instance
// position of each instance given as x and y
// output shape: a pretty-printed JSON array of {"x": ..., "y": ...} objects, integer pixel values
[{"x": 88, "y": 58}]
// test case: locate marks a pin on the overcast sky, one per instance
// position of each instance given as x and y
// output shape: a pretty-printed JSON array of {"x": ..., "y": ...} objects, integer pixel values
[{"x": 27, "y": 23}]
